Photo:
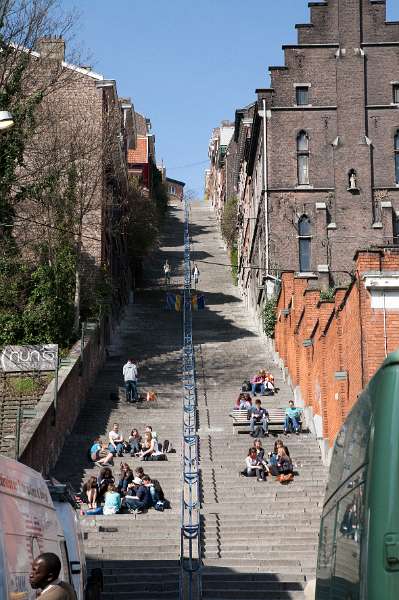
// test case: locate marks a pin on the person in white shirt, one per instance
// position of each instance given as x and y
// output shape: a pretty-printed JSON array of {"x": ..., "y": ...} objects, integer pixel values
[
  {"x": 196, "y": 275},
  {"x": 166, "y": 270},
  {"x": 130, "y": 374},
  {"x": 115, "y": 441}
]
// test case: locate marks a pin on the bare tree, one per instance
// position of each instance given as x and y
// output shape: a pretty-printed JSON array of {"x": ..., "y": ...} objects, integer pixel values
[{"x": 78, "y": 183}]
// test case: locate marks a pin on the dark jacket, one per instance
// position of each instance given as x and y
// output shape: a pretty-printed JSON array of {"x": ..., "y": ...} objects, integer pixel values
[{"x": 284, "y": 465}]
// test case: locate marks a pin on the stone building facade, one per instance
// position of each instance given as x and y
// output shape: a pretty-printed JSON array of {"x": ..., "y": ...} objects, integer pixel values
[
  {"x": 320, "y": 177},
  {"x": 81, "y": 122},
  {"x": 215, "y": 185}
]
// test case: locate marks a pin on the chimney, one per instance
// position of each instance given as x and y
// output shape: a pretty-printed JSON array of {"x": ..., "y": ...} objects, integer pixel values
[{"x": 51, "y": 48}]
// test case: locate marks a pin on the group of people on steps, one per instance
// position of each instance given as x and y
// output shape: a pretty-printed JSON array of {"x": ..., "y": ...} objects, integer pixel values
[
  {"x": 133, "y": 491},
  {"x": 277, "y": 462}
]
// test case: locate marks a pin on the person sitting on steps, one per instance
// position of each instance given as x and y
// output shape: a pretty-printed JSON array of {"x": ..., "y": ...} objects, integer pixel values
[
  {"x": 260, "y": 455},
  {"x": 292, "y": 418},
  {"x": 134, "y": 442},
  {"x": 149, "y": 447},
  {"x": 259, "y": 420},
  {"x": 256, "y": 383},
  {"x": 125, "y": 477},
  {"x": 148, "y": 429},
  {"x": 138, "y": 497},
  {"x": 139, "y": 473},
  {"x": 97, "y": 450},
  {"x": 273, "y": 456},
  {"x": 253, "y": 468},
  {"x": 116, "y": 441},
  {"x": 104, "y": 478},
  {"x": 283, "y": 465},
  {"x": 112, "y": 501},
  {"x": 90, "y": 491},
  {"x": 268, "y": 385},
  {"x": 240, "y": 401}
]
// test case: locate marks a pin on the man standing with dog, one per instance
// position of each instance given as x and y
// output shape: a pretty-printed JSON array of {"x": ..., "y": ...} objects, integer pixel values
[{"x": 130, "y": 374}]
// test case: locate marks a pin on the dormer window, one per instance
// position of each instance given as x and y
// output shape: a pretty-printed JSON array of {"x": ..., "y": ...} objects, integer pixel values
[{"x": 302, "y": 95}]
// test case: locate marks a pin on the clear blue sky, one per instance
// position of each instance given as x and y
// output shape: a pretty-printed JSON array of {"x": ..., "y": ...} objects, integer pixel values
[{"x": 188, "y": 64}]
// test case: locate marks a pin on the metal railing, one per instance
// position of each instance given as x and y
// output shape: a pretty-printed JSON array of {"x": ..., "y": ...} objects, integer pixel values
[{"x": 190, "y": 533}]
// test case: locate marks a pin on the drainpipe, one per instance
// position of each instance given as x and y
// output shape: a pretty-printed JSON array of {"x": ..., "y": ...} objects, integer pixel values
[
  {"x": 265, "y": 186},
  {"x": 385, "y": 326}
]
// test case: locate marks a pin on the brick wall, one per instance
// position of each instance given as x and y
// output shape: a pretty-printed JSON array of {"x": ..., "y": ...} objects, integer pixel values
[
  {"x": 331, "y": 348},
  {"x": 42, "y": 438},
  {"x": 348, "y": 56}
]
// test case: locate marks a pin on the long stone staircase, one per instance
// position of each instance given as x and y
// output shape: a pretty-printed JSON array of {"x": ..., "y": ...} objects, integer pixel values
[
  {"x": 139, "y": 556},
  {"x": 259, "y": 539}
]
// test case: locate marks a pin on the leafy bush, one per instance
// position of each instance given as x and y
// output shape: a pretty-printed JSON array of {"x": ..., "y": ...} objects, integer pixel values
[
  {"x": 38, "y": 306},
  {"x": 269, "y": 317},
  {"x": 229, "y": 222},
  {"x": 234, "y": 264},
  {"x": 328, "y": 295},
  {"x": 28, "y": 386}
]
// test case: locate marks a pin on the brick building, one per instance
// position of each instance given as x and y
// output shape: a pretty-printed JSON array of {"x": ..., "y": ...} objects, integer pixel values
[
  {"x": 320, "y": 177},
  {"x": 81, "y": 122},
  {"x": 175, "y": 189},
  {"x": 332, "y": 346},
  {"x": 141, "y": 158},
  {"x": 215, "y": 190}
]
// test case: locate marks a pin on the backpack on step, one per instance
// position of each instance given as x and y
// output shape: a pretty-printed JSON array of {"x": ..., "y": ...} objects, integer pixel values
[
  {"x": 158, "y": 489},
  {"x": 246, "y": 386}
]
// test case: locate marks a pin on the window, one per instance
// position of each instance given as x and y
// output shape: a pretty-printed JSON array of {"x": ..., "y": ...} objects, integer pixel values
[
  {"x": 395, "y": 229},
  {"x": 397, "y": 157},
  {"x": 325, "y": 560},
  {"x": 395, "y": 88},
  {"x": 303, "y": 158},
  {"x": 305, "y": 239},
  {"x": 302, "y": 95},
  {"x": 350, "y": 520}
]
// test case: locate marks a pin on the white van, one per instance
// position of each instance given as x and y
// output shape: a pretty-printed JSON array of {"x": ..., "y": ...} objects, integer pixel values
[{"x": 31, "y": 523}]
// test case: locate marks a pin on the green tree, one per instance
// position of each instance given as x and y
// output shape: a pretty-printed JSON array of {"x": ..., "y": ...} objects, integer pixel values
[
  {"x": 229, "y": 222},
  {"x": 35, "y": 283},
  {"x": 269, "y": 316}
]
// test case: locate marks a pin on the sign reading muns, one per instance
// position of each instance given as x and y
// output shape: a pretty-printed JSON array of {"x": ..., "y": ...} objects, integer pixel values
[{"x": 16, "y": 359}]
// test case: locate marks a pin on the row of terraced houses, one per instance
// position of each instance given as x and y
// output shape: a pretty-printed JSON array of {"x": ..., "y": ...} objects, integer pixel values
[
  {"x": 313, "y": 162},
  {"x": 114, "y": 142}
]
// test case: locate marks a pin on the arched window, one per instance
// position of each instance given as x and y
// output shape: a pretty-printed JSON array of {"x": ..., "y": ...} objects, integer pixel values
[
  {"x": 302, "y": 148},
  {"x": 305, "y": 240},
  {"x": 397, "y": 157}
]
